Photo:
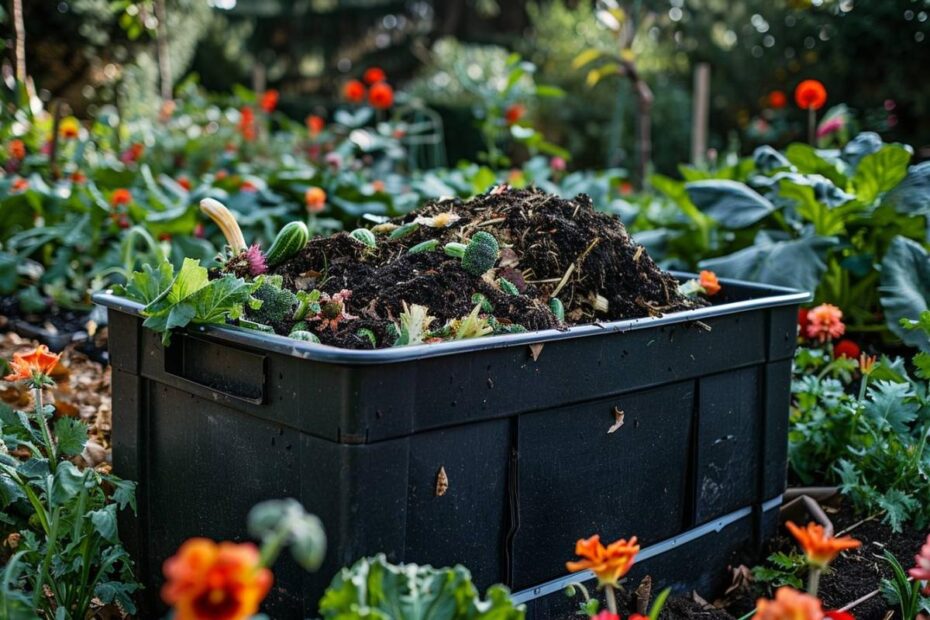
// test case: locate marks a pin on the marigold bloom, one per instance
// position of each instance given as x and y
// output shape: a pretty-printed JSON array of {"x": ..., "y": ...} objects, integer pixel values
[
  {"x": 514, "y": 113},
  {"x": 315, "y": 124},
  {"x": 789, "y": 604},
  {"x": 120, "y": 196},
  {"x": 609, "y": 563},
  {"x": 315, "y": 198},
  {"x": 381, "y": 96},
  {"x": 354, "y": 91},
  {"x": 270, "y": 100},
  {"x": 810, "y": 95},
  {"x": 825, "y": 322},
  {"x": 777, "y": 99},
  {"x": 846, "y": 348},
  {"x": 921, "y": 570},
  {"x": 19, "y": 184},
  {"x": 17, "y": 149},
  {"x": 36, "y": 362},
  {"x": 69, "y": 128},
  {"x": 210, "y": 581},
  {"x": 819, "y": 547},
  {"x": 373, "y": 75},
  {"x": 709, "y": 282}
]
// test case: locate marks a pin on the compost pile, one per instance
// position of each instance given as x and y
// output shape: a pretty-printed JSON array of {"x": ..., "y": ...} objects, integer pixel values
[{"x": 549, "y": 248}]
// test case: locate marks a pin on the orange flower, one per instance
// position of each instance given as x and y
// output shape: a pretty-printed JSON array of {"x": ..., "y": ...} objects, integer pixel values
[
  {"x": 514, "y": 113},
  {"x": 78, "y": 177},
  {"x": 708, "y": 281},
  {"x": 247, "y": 186},
  {"x": 185, "y": 183},
  {"x": 354, "y": 91},
  {"x": 270, "y": 100},
  {"x": 220, "y": 175},
  {"x": 17, "y": 149},
  {"x": 789, "y": 604},
  {"x": 209, "y": 581},
  {"x": 777, "y": 99},
  {"x": 866, "y": 363},
  {"x": 819, "y": 547},
  {"x": 315, "y": 199},
  {"x": 609, "y": 563},
  {"x": 315, "y": 124},
  {"x": 36, "y": 362},
  {"x": 810, "y": 95},
  {"x": 381, "y": 96},
  {"x": 825, "y": 322},
  {"x": 120, "y": 197},
  {"x": 377, "y": 185},
  {"x": 846, "y": 348},
  {"x": 247, "y": 123},
  {"x": 19, "y": 184},
  {"x": 69, "y": 128},
  {"x": 373, "y": 75}
]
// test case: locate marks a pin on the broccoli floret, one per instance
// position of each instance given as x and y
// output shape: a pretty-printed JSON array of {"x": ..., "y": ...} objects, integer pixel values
[
  {"x": 480, "y": 253},
  {"x": 277, "y": 305}
]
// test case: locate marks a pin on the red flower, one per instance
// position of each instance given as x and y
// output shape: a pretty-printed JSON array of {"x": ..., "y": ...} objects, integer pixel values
[
  {"x": 315, "y": 124},
  {"x": 315, "y": 198},
  {"x": 810, "y": 95},
  {"x": 802, "y": 321},
  {"x": 19, "y": 184},
  {"x": 185, "y": 183},
  {"x": 247, "y": 123},
  {"x": 846, "y": 348},
  {"x": 209, "y": 581},
  {"x": 777, "y": 99},
  {"x": 69, "y": 129},
  {"x": 514, "y": 113},
  {"x": 17, "y": 149},
  {"x": 606, "y": 615},
  {"x": 825, "y": 322},
  {"x": 381, "y": 96},
  {"x": 120, "y": 197},
  {"x": 838, "y": 615},
  {"x": 270, "y": 101},
  {"x": 373, "y": 75},
  {"x": 354, "y": 91},
  {"x": 78, "y": 177},
  {"x": 248, "y": 186},
  {"x": 36, "y": 362}
]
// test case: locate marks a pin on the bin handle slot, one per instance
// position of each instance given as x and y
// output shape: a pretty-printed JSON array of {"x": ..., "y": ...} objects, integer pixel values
[{"x": 234, "y": 373}]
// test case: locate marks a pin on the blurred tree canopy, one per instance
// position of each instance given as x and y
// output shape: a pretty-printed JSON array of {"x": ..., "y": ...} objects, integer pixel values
[{"x": 867, "y": 53}]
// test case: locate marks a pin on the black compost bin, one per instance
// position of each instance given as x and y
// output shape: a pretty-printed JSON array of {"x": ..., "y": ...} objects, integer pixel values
[{"x": 225, "y": 418}]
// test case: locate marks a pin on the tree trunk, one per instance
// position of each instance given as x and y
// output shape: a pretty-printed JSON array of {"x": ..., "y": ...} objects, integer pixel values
[
  {"x": 164, "y": 56},
  {"x": 20, "y": 47},
  {"x": 644, "y": 99}
]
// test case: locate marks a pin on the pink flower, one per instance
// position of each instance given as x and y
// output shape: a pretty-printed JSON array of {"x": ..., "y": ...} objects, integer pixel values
[
  {"x": 831, "y": 126},
  {"x": 256, "y": 260},
  {"x": 825, "y": 322},
  {"x": 921, "y": 570},
  {"x": 557, "y": 164}
]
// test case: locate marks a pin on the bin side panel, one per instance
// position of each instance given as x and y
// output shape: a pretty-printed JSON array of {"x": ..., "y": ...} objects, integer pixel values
[
  {"x": 775, "y": 435},
  {"x": 783, "y": 332},
  {"x": 575, "y": 479},
  {"x": 728, "y": 442},
  {"x": 207, "y": 466}
]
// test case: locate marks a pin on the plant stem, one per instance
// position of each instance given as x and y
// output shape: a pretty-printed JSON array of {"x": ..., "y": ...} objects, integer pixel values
[
  {"x": 611, "y": 598},
  {"x": 46, "y": 433},
  {"x": 49, "y": 552},
  {"x": 271, "y": 546},
  {"x": 811, "y": 125},
  {"x": 813, "y": 581}
]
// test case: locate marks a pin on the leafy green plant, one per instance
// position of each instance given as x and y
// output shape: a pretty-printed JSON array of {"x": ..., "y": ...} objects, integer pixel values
[
  {"x": 66, "y": 546},
  {"x": 901, "y": 591},
  {"x": 374, "y": 588},
  {"x": 782, "y": 569}
]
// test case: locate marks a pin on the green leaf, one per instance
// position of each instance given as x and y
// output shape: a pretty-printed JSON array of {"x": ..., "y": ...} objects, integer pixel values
[
  {"x": 881, "y": 171},
  {"x": 905, "y": 288},
  {"x": 147, "y": 285},
  {"x": 890, "y": 406},
  {"x": 912, "y": 195},
  {"x": 732, "y": 204},
  {"x": 104, "y": 522},
  {"x": 66, "y": 483},
  {"x": 71, "y": 434}
]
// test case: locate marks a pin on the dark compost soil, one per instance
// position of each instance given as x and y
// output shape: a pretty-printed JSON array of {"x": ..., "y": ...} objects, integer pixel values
[{"x": 550, "y": 247}]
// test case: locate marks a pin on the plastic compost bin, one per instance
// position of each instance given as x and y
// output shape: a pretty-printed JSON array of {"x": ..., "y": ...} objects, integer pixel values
[{"x": 226, "y": 417}]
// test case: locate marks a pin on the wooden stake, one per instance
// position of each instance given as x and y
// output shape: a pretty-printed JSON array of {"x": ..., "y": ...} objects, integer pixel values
[
  {"x": 700, "y": 112},
  {"x": 19, "y": 27}
]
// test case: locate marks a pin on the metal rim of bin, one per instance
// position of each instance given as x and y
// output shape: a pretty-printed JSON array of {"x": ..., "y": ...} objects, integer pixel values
[{"x": 774, "y": 296}]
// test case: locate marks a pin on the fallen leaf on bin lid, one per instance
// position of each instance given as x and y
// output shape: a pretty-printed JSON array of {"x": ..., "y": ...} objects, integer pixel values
[
  {"x": 618, "y": 420},
  {"x": 536, "y": 350},
  {"x": 442, "y": 482}
]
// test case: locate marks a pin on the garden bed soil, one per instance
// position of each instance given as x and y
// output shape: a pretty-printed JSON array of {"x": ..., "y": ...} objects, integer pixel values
[
  {"x": 56, "y": 328},
  {"x": 550, "y": 247}
]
